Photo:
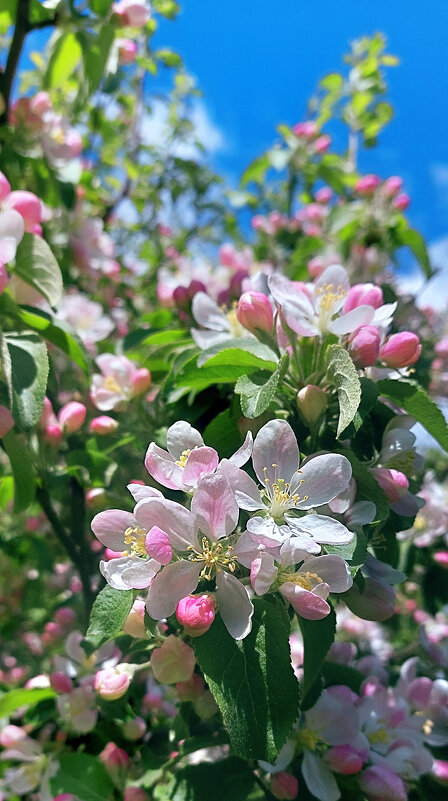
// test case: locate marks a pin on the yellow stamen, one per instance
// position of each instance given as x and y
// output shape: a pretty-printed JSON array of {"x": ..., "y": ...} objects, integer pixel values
[
  {"x": 215, "y": 557},
  {"x": 111, "y": 384},
  {"x": 182, "y": 461},
  {"x": 135, "y": 537}
]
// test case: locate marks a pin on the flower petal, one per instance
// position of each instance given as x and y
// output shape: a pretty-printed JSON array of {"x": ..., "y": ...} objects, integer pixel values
[
  {"x": 139, "y": 573},
  {"x": 267, "y": 531},
  {"x": 173, "y": 583},
  {"x": 243, "y": 454},
  {"x": 347, "y": 323},
  {"x": 235, "y": 607},
  {"x": 262, "y": 573},
  {"x": 246, "y": 491},
  {"x": 201, "y": 462},
  {"x": 331, "y": 569},
  {"x": 322, "y": 478},
  {"x": 170, "y": 517},
  {"x": 214, "y": 507},
  {"x": 322, "y": 529},
  {"x": 109, "y": 527},
  {"x": 162, "y": 466},
  {"x": 181, "y": 436},
  {"x": 319, "y": 778},
  {"x": 207, "y": 313},
  {"x": 275, "y": 444},
  {"x": 140, "y": 491},
  {"x": 307, "y": 604}
]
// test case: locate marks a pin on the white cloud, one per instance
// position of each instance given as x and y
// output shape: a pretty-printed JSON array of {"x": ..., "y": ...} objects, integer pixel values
[{"x": 155, "y": 130}]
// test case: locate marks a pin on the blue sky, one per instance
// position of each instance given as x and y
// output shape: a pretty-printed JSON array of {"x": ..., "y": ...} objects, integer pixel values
[{"x": 257, "y": 63}]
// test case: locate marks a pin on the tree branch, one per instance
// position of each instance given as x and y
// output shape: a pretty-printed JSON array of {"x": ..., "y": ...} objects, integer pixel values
[{"x": 7, "y": 77}]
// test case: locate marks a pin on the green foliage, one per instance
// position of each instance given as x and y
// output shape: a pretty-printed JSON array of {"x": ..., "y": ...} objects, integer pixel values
[
  {"x": 22, "y": 470},
  {"x": 232, "y": 778},
  {"x": 25, "y": 366},
  {"x": 318, "y": 636},
  {"x": 415, "y": 401},
  {"x": 109, "y": 612},
  {"x": 84, "y": 776},
  {"x": 36, "y": 265},
  {"x": 257, "y": 391},
  {"x": 342, "y": 373},
  {"x": 252, "y": 680},
  {"x": 16, "y": 699}
]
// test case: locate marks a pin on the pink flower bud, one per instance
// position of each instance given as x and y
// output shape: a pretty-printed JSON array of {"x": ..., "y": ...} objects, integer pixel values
[
  {"x": 401, "y": 202},
  {"x": 376, "y": 602},
  {"x": 28, "y": 205},
  {"x": 363, "y": 295},
  {"x": 305, "y": 130},
  {"x": 441, "y": 348},
  {"x": 255, "y": 311},
  {"x": 196, "y": 613},
  {"x": 112, "y": 683},
  {"x": 5, "y": 187},
  {"x": 157, "y": 545},
  {"x": 190, "y": 690},
  {"x": 103, "y": 425},
  {"x": 401, "y": 350},
  {"x": 322, "y": 144},
  {"x": 47, "y": 417},
  {"x": 324, "y": 195},
  {"x": 419, "y": 692},
  {"x": 134, "y": 729},
  {"x": 65, "y": 615},
  {"x": 392, "y": 186},
  {"x": 135, "y": 794},
  {"x": 364, "y": 345},
  {"x": 316, "y": 266},
  {"x": 64, "y": 797},
  {"x": 53, "y": 435},
  {"x": 380, "y": 784},
  {"x": 127, "y": 50},
  {"x": 258, "y": 222},
  {"x": 344, "y": 759},
  {"x": 10, "y": 735},
  {"x": 40, "y": 103},
  {"x": 134, "y": 624},
  {"x": 174, "y": 661},
  {"x": 439, "y": 771},
  {"x": 284, "y": 785},
  {"x": 367, "y": 185},
  {"x": 6, "y": 421},
  {"x": 181, "y": 297},
  {"x": 311, "y": 403},
  {"x": 441, "y": 557},
  {"x": 114, "y": 758},
  {"x": 72, "y": 416},
  {"x": 95, "y": 497},
  {"x": 61, "y": 682},
  {"x": 140, "y": 381},
  {"x": 393, "y": 483},
  {"x": 195, "y": 287}
]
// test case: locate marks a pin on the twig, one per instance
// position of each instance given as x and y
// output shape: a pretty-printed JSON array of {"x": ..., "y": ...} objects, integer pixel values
[{"x": 7, "y": 78}]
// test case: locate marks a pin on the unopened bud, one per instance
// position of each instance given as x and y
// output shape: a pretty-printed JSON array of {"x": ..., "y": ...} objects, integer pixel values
[
  {"x": 115, "y": 759},
  {"x": 53, "y": 435},
  {"x": 284, "y": 785},
  {"x": 393, "y": 483},
  {"x": 255, "y": 311},
  {"x": 95, "y": 497},
  {"x": 344, "y": 759},
  {"x": 103, "y": 425},
  {"x": 401, "y": 350},
  {"x": 392, "y": 186},
  {"x": 28, "y": 205},
  {"x": 401, "y": 202},
  {"x": 376, "y": 601},
  {"x": 367, "y": 185},
  {"x": 72, "y": 416},
  {"x": 196, "y": 613},
  {"x": 6, "y": 421},
  {"x": 311, "y": 403},
  {"x": 364, "y": 346},
  {"x": 112, "y": 683},
  {"x": 363, "y": 295},
  {"x": 134, "y": 624},
  {"x": 305, "y": 130},
  {"x": 380, "y": 784},
  {"x": 140, "y": 381},
  {"x": 135, "y": 794},
  {"x": 61, "y": 682},
  {"x": 134, "y": 729}
]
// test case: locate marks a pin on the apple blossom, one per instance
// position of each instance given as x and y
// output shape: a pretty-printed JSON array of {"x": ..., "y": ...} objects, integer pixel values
[{"x": 196, "y": 613}]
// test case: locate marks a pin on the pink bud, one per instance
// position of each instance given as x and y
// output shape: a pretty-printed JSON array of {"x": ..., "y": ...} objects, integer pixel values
[
  {"x": 367, "y": 185},
  {"x": 41, "y": 103},
  {"x": 258, "y": 222},
  {"x": 65, "y": 615},
  {"x": 157, "y": 545},
  {"x": 344, "y": 759},
  {"x": 140, "y": 381},
  {"x": 441, "y": 348},
  {"x": 364, "y": 345},
  {"x": 376, "y": 601},
  {"x": 127, "y": 50},
  {"x": 64, "y": 797},
  {"x": 324, "y": 195},
  {"x": 393, "y": 483},
  {"x": 135, "y": 794},
  {"x": 47, "y": 417},
  {"x": 181, "y": 297},
  {"x": 195, "y": 287},
  {"x": 112, "y": 683},
  {"x": 95, "y": 497},
  {"x": 5, "y": 187},
  {"x": 134, "y": 624},
  {"x": 4, "y": 277},
  {"x": 401, "y": 350},
  {"x": 103, "y": 425},
  {"x": 72, "y": 416},
  {"x": 419, "y": 692},
  {"x": 134, "y": 729},
  {"x": 392, "y": 186},
  {"x": 284, "y": 785},
  {"x": 61, "y": 682},
  {"x": 196, "y": 613},
  {"x": 401, "y": 202},
  {"x": 114, "y": 758},
  {"x": 380, "y": 784},
  {"x": 28, "y": 205},
  {"x": 441, "y": 557},
  {"x": 311, "y": 403},
  {"x": 53, "y": 435},
  {"x": 174, "y": 661},
  {"x": 316, "y": 266},
  {"x": 305, "y": 130},
  {"x": 10, "y": 735},
  {"x": 363, "y": 295},
  {"x": 6, "y": 421},
  {"x": 255, "y": 311},
  {"x": 322, "y": 143},
  {"x": 439, "y": 771}
]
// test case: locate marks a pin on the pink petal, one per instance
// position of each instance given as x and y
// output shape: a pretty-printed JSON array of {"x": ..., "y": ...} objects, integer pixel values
[
  {"x": 157, "y": 544},
  {"x": 276, "y": 444},
  {"x": 307, "y": 604},
  {"x": 180, "y": 437},
  {"x": 235, "y": 607},
  {"x": 162, "y": 466},
  {"x": 169, "y": 516},
  {"x": 214, "y": 507},
  {"x": 175, "y": 582},
  {"x": 109, "y": 527},
  {"x": 201, "y": 462},
  {"x": 323, "y": 478}
]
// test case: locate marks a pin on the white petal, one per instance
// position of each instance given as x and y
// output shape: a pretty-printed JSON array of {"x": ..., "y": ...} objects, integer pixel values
[
  {"x": 207, "y": 313},
  {"x": 139, "y": 573},
  {"x": 331, "y": 569},
  {"x": 181, "y": 437},
  {"x": 171, "y": 517},
  {"x": 275, "y": 444},
  {"x": 243, "y": 454},
  {"x": 322, "y": 529},
  {"x": 349, "y": 322},
  {"x": 174, "y": 582},
  {"x": 323, "y": 477},
  {"x": 319, "y": 779},
  {"x": 235, "y": 607}
]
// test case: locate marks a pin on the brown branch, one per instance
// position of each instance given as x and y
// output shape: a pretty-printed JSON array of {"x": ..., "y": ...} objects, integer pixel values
[{"x": 7, "y": 77}]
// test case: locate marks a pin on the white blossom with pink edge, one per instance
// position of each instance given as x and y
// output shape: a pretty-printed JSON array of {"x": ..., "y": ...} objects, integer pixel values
[
  {"x": 217, "y": 325},
  {"x": 86, "y": 317},
  {"x": 120, "y": 380},
  {"x": 187, "y": 458},
  {"x": 276, "y": 461}
]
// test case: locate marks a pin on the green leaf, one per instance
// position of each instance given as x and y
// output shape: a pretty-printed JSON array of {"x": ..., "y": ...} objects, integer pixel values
[
  {"x": 257, "y": 391},
  {"x": 342, "y": 373},
  {"x": 95, "y": 52},
  {"x": 367, "y": 487},
  {"x": 108, "y": 614},
  {"x": 65, "y": 56},
  {"x": 336, "y": 673},
  {"x": 256, "y": 171},
  {"x": 21, "y": 466},
  {"x": 168, "y": 57},
  {"x": 25, "y": 366},
  {"x": 100, "y": 7},
  {"x": 414, "y": 400},
  {"x": 40, "y": 321},
  {"x": 369, "y": 395},
  {"x": 239, "y": 351},
  {"x": 13, "y": 700},
  {"x": 252, "y": 680},
  {"x": 84, "y": 776},
  {"x": 36, "y": 265},
  {"x": 232, "y": 779},
  {"x": 222, "y": 434},
  {"x": 415, "y": 242},
  {"x": 318, "y": 636},
  {"x": 199, "y": 378}
]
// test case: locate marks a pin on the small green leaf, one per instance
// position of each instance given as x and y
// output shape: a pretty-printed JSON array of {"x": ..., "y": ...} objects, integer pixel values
[
  {"x": 15, "y": 699},
  {"x": 369, "y": 395},
  {"x": 414, "y": 400},
  {"x": 108, "y": 614},
  {"x": 65, "y": 56},
  {"x": 257, "y": 391},
  {"x": 21, "y": 466},
  {"x": 41, "y": 321},
  {"x": 415, "y": 242},
  {"x": 239, "y": 351},
  {"x": 318, "y": 636},
  {"x": 25, "y": 365},
  {"x": 256, "y": 171},
  {"x": 84, "y": 776},
  {"x": 252, "y": 680},
  {"x": 342, "y": 373},
  {"x": 36, "y": 265},
  {"x": 232, "y": 778}
]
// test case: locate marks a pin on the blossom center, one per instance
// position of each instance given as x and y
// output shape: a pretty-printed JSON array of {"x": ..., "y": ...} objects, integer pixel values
[
  {"x": 236, "y": 328},
  {"x": 135, "y": 537},
  {"x": 379, "y": 736},
  {"x": 215, "y": 556},
  {"x": 305, "y": 580},
  {"x": 183, "y": 458},
  {"x": 308, "y": 738},
  {"x": 420, "y": 522},
  {"x": 278, "y": 494},
  {"x": 111, "y": 384},
  {"x": 329, "y": 300}
]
